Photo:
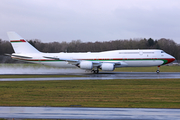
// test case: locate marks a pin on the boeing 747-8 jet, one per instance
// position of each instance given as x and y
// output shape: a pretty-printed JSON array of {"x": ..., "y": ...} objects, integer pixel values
[{"x": 106, "y": 61}]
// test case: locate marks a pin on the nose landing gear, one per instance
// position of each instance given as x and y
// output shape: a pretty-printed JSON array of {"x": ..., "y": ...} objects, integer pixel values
[{"x": 158, "y": 71}]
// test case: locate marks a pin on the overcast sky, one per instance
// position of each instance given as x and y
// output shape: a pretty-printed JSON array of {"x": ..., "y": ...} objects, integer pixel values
[{"x": 90, "y": 20}]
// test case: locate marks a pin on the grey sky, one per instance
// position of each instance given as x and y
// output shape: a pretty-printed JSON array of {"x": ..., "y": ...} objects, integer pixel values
[{"x": 90, "y": 20}]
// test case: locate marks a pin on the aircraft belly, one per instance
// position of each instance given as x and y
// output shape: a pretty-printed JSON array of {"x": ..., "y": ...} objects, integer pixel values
[{"x": 144, "y": 63}]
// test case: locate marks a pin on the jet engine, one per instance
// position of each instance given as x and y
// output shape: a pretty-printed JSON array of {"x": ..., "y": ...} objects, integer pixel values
[
  {"x": 107, "y": 66},
  {"x": 88, "y": 65}
]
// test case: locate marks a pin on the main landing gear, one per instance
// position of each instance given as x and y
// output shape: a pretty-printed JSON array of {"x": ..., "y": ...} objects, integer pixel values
[
  {"x": 158, "y": 71},
  {"x": 95, "y": 71}
]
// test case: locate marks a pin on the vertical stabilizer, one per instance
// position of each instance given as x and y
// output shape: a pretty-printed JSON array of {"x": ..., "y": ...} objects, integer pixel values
[{"x": 20, "y": 45}]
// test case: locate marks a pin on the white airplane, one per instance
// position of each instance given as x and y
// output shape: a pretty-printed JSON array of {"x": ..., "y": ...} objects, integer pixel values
[{"x": 106, "y": 61}]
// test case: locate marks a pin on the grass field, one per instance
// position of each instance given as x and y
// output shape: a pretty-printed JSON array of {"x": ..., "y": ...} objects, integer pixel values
[
  {"x": 93, "y": 93},
  {"x": 160, "y": 93}
]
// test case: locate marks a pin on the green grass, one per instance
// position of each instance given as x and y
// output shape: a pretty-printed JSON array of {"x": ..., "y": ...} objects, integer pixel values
[{"x": 93, "y": 93}]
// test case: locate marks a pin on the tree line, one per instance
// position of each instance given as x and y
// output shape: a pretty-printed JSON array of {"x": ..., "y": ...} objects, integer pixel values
[{"x": 167, "y": 45}]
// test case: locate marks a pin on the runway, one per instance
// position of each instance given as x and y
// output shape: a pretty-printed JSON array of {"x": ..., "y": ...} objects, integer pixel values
[
  {"x": 89, "y": 113},
  {"x": 105, "y": 76},
  {"x": 19, "y": 69},
  {"x": 137, "y": 75}
]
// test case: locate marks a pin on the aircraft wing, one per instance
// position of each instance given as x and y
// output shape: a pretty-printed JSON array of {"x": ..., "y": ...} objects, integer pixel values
[
  {"x": 77, "y": 62},
  {"x": 70, "y": 61},
  {"x": 74, "y": 62}
]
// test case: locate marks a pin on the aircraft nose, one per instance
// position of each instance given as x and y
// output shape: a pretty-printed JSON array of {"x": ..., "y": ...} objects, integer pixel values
[{"x": 171, "y": 59}]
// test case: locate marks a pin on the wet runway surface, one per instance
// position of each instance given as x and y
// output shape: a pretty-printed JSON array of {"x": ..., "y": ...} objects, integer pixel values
[
  {"x": 89, "y": 113},
  {"x": 137, "y": 75},
  {"x": 105, "y": 76}
]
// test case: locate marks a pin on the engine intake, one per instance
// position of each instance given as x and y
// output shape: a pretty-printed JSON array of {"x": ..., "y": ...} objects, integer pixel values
[
  {"x": 107, "y": 66},
  {"x": 88, "y": 65}
]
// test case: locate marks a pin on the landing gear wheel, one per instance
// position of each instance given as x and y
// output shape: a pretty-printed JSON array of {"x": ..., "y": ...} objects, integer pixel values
[
  {"x": 96, "y": 71},
  {"x": 157, "y": 71}
]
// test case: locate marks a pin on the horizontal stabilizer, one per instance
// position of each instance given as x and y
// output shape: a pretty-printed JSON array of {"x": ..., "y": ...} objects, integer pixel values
[{"x": 19, "y": 56}]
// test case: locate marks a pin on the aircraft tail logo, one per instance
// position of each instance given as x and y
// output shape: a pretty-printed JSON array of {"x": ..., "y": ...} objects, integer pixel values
[{"x": 20, "y": 45}]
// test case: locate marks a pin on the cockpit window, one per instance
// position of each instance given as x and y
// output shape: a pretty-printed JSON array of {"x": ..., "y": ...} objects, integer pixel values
[{"x": 162, "y": 52}]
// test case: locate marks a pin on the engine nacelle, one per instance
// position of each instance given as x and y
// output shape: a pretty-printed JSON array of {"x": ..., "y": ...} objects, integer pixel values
[
  {"x": 107, "y": 66},
  {"x": 88, "y": 65}
]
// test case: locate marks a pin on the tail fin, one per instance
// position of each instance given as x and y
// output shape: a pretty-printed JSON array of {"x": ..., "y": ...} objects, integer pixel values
[{"x": 20, "y": 45}]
